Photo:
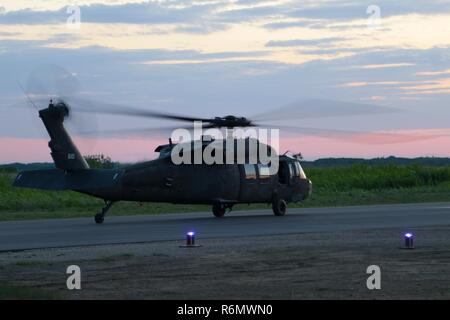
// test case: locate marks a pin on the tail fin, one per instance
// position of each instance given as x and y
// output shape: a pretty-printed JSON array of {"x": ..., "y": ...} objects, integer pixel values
[{"x": 64, "y": 152}]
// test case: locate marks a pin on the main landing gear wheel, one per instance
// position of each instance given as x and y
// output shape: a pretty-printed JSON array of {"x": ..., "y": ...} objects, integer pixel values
[
  {"x": 100, "y": 217},
  {"x": 218, "y": 210},
  {"x": 279, "y": 207}
]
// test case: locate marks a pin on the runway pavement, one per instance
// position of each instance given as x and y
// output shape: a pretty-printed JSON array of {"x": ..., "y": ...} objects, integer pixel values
[{"x": 20, "y": 235}]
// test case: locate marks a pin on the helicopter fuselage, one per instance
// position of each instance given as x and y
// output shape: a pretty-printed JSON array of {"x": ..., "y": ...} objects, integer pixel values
[{"x": 161, "y": 181}]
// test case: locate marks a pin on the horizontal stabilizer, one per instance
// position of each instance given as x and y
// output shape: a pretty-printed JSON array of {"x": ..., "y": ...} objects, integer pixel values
[{"x": 56, "y": 179}]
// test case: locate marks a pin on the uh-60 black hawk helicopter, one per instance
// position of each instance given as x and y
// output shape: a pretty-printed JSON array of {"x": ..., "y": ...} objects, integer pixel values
[{"x": 161, "y": 180}]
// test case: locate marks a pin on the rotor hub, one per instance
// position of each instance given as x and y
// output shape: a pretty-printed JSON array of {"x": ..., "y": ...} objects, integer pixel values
[{"x": 230, "y": 122}]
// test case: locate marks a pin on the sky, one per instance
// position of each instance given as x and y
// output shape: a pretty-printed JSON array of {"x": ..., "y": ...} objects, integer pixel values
[{"x": 215, "y": 57}]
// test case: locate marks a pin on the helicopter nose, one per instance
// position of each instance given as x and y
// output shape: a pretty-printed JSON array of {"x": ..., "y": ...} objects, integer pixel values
[{"x": 306, "y": 188}]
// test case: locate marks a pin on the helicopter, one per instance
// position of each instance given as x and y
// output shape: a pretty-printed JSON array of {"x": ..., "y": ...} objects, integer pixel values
[
  {"x": 160, "y": 180},
  {"x": 221, "y": 185}
]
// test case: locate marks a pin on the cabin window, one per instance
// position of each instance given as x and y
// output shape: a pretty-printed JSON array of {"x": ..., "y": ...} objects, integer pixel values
[
  {"x": 264, "y": 171},
  {"x": 250, "y": 172}
]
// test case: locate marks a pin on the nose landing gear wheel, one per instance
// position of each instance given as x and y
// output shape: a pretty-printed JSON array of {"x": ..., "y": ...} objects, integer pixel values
[
  {"x": 279, "y": 207},
  {"x": 218, "y": 210}
]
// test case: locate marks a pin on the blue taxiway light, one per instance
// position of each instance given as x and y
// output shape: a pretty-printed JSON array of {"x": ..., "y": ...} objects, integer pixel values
[
  {"x": 190, "y": 238},
  {"x": 409, "y": 240}
]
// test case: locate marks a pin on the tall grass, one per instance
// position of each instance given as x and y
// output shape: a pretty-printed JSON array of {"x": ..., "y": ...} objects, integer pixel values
[{"x": 366, "y": 177}]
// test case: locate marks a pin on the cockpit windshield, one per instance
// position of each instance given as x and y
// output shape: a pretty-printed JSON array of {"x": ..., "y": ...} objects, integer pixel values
[{"x": 299, "y": 170}]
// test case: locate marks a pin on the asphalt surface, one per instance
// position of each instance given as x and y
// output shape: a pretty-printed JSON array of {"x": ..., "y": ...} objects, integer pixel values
[{"x": 21, "y": 235}]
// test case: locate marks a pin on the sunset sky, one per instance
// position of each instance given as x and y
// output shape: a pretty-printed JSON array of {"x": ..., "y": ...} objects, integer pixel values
[{"x": 215, "y": 57}]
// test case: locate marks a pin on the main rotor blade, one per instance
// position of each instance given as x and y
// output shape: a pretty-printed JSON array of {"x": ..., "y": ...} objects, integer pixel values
[
  {"x": 133, "y": 132},
  {"x": 317, "y": 108},
  {"x": 91, "y": 106},
  {"x": 361, "y": 137}
]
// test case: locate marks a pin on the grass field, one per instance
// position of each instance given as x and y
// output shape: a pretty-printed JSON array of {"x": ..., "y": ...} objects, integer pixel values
[{"x": 335, "y": 186}]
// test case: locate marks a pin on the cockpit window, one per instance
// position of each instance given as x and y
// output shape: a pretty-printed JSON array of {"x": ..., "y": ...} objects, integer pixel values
[
  {"x": 291, "y": 170},
  {"x": 296, "y": 171},
  {"x": 299, "y": 171}
]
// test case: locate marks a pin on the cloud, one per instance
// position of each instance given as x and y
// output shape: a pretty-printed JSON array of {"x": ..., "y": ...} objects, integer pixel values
[
  {"x": 136, "y": 13},
  {"x": 377, "y": 98},
  {"x": 347, "y": 10},
  {"x": 437, "y": 86},
  {"x": 9, "y": 33},
  {"x": 433, "y": 73},
  {"x": 304, "y": 42},
  {"x": 365, "y": 84},
  {"x": 335, "y": 50},
  {"x": 202, "y": 28},
  {"x": 289, "y": 24},
  {"x": 28, "y": 16},
  {"x": 165, "y": 12},
  {"x": 210, "y": 88},
  {"x": 197, "y": 57},
  {"x": 384, "y": 65},
  {"x": 252, "y": 13}
]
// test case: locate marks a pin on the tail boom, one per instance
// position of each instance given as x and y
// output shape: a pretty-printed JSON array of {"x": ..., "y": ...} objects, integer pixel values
[{"x": 63, "y": 151}]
